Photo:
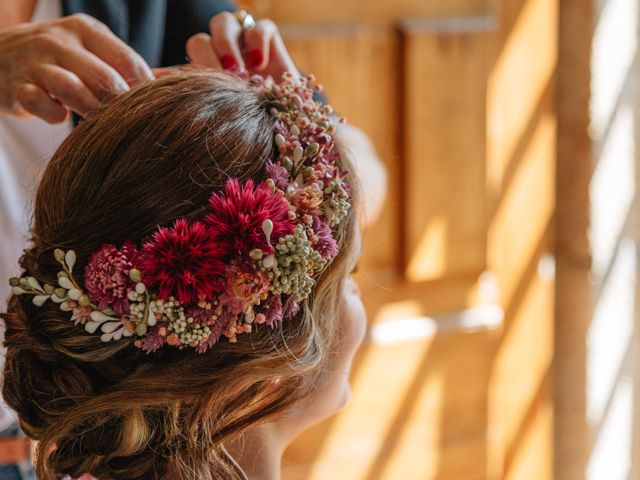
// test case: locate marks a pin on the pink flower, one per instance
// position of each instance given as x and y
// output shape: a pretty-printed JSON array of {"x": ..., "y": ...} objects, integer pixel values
[
  {"x": 153, "y": 340},
  {"x": 274, "y": 310},
  {"x": 81, "y": 315},
  {"x": 199, "y": 315},
  {"x": 306, "y": 198},
  {"x": 278, "y": 174},
  {"x": 106, "y": 277},
  {"x": 291, "y": 308},
  {"x": 244, "y": 287},
  {"x": 185, "y": 261},
  {"x": 323, "y": 241},
  {"x": 238, "y": 214},
  {"x": 217, "y": 329}
]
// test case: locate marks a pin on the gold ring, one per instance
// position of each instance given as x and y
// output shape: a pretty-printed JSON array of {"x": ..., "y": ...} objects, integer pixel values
[{"x": 245, "y": 19}]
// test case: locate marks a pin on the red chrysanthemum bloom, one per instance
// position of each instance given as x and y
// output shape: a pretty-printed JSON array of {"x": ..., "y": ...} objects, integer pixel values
[
  {"x": 185, "y": 261},
  {"x": 238, "y": 214},
  {"x": 106, "y": 277}
]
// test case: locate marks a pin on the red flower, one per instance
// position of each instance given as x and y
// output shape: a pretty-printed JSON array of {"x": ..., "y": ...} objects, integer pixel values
[
  {"x": 238, "y": 215},
  {"x": 185, "y": 261},
  {"x": 106, "y": 277}
]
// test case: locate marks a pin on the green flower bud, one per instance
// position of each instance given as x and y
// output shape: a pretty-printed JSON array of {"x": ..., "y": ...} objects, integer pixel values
[
  {"x": 256, "y": 254},
  {"x": 60, "y": 292},
  {"x": 59, "y": 254},
  {"x": 297, "y": 153},
  {"x": 63, "y": 274},
  {"x": 271, "y": 184},
  {"x": 14, "y": 281},
  {"x": 311, "y": 150},
  {"x": 135, "y": 275},
  {"x": 48, "y": 288},
  {"x": 141, "y": 329},
  {"x": 84, "y": 301}
]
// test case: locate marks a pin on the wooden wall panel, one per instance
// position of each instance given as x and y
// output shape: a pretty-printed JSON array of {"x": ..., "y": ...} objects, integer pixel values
[
  {"x": 423, "y": 415},
  {"x": 445, "y": 70},
  {"x": 357, "y": 65},
  {"x": 521, "y": 165},
  {"x": 381, "y": 12}
]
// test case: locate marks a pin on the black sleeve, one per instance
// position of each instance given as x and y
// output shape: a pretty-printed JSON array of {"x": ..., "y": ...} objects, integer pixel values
[{"x": 184, "y": 19}]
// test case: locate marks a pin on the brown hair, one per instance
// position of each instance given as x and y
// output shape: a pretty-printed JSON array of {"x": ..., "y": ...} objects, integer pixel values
[{"x": 109, "y": 409}]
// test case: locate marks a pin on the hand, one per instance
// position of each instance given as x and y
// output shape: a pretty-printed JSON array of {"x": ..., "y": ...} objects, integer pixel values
[
  {"x": 70, "y": 64},
  {"x": 259, "y": 49}
]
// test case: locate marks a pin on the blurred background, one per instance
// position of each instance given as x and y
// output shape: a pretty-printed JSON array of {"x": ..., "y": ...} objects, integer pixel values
[{"x": 501, "y": 278}]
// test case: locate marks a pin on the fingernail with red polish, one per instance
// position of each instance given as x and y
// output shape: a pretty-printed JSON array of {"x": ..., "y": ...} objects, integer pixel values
[
  {"x": 254, "y": 58},
  {"x": 228, "y": 62}
]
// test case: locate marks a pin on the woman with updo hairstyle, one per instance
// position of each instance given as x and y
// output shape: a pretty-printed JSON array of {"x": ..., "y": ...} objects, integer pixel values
[{"x": 114, "y": 410}]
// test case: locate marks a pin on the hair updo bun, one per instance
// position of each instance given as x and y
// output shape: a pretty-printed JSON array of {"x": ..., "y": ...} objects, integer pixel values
[{"x": 109, "y": 409}]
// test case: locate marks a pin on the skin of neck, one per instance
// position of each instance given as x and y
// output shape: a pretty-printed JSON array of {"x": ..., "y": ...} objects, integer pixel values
[{"x": 258, "y": 451}]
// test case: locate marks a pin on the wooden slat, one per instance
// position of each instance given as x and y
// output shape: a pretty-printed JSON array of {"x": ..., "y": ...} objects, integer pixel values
[
  {"x": 521, "y": 182},
  {"x": 520, "y": 406},
  {"x": 445, "y": 69},
  {"x": 574, "y": 287}
]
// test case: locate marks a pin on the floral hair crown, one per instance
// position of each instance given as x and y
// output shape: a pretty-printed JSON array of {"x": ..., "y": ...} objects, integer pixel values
[{"x": 252, "y": 258}]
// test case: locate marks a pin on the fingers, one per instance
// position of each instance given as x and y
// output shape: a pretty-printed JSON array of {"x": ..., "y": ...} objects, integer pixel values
[
  {"x": 280, "y": 61},
  {"x": 200, "y": 51},
  {"x": 265, "y": 50},
  {"x": 259, "y": 49},
  {"x": 37, "y": 102},
  {"x": 66, "y": 87},
  {"x": 103, "y": 80},
  {"x": 160, "y": 72},
  {"x": 225, "y": 38},
  {"x": 98, "y": 39},
  {"x": 257, "y": 42}
]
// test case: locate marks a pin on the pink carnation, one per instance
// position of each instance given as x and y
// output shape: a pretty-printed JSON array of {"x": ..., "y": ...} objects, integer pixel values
[
  {"x": 185, "y": 261},
  {"x": 106, "y": 277},
  {"x": 237, "y": 215}
]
